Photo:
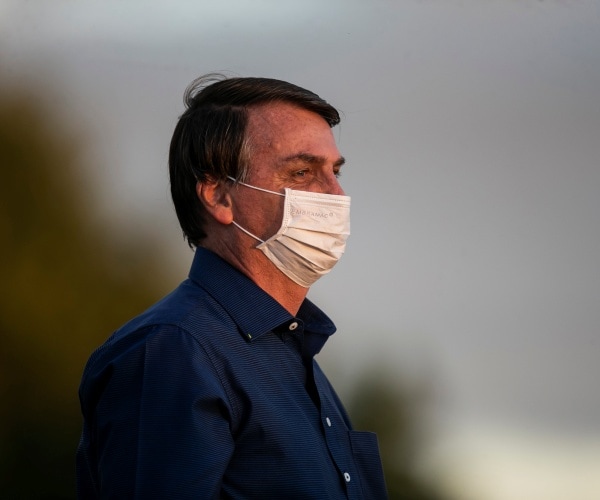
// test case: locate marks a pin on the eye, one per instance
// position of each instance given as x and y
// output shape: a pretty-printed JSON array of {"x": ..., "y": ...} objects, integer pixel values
[{"x": 301, "y": 173}]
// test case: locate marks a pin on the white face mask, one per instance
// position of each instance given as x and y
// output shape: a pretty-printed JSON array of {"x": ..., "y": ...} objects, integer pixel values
[{"x": 312, "y": 236}]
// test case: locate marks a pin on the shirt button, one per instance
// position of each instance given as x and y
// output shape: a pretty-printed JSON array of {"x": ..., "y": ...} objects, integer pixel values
[
  {"x": 328, "y": 421},
  {"x": 347, "y": 477},
  {"x": 293, "y": 326}
]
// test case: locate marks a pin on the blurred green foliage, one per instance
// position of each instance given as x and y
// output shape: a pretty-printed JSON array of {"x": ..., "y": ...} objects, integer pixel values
[
  {"x": 397, "y": 412},
  {"x": 65, "y": 287}
]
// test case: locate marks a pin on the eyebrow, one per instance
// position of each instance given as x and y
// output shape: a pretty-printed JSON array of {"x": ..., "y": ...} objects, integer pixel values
[{"x": 313, "y": 159}]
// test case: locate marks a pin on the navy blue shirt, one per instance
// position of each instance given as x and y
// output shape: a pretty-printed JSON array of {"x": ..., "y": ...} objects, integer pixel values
[{"x": 214, "y": 393}]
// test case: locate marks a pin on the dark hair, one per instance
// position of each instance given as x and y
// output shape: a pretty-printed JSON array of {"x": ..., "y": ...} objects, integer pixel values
[{"x": 209, "y": 141}]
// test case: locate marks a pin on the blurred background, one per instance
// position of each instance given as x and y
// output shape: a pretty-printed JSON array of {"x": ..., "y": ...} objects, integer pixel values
[{"x": 468, "y": 302}]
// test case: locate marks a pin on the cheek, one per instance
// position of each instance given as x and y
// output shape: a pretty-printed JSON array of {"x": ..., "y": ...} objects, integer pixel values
[
  {"x": 273, "y": 217},
  {"x": 261, "y": 215}
]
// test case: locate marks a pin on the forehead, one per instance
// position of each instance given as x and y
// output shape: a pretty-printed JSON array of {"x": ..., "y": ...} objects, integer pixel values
[{"x": 280, "y": 122}]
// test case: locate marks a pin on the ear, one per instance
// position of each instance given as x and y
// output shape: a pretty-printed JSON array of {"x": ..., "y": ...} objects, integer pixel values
[{"x": 214, "y": 195}]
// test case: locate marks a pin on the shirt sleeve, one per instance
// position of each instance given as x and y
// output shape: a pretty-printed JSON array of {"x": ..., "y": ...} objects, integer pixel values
[{"x": 157, "y": 420}]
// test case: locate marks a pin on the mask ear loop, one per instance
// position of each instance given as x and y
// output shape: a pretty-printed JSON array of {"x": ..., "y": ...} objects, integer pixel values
[
  {"x": 234, "y": 222},
  {"x": 246, "y": 231},
  {"x": 254, "y": 187}
]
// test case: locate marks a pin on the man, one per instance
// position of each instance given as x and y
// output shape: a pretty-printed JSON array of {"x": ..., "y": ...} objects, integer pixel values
[{"x": 214, "y": 391}]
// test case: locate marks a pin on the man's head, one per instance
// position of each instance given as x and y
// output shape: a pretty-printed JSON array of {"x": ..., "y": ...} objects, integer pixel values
[{"x": 210, "y": 141}]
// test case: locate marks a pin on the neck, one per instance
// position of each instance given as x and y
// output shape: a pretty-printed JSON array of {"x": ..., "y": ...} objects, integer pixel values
[{"x": 260, "y": 270}]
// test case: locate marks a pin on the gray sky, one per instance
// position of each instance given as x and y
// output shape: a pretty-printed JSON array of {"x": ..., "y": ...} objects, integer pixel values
[{"x": 472, "y": 134}]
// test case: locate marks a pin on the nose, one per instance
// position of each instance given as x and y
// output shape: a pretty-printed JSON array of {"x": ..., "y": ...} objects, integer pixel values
[
  {"x": 329, "y": 183},
  {"x": 334, "y": 186},
  {"x": 338, "y": 188}
]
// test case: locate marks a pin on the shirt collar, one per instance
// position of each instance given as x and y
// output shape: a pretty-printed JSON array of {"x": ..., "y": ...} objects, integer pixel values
[{"x": 254, "y": 310}]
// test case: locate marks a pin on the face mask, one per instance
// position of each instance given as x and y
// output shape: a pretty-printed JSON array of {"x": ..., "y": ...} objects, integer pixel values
[{"x": 312, "y": 236}]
